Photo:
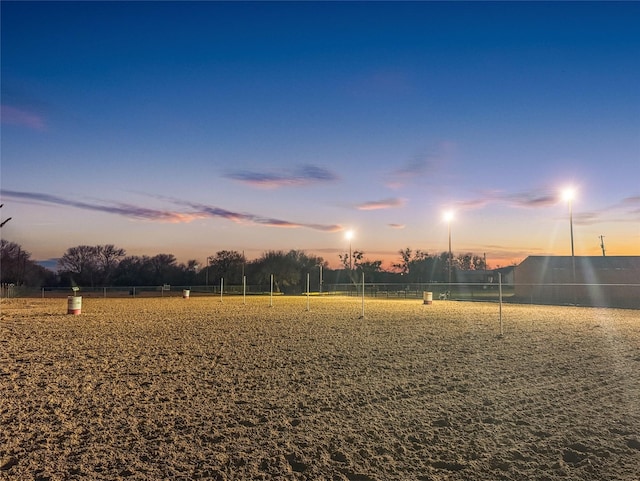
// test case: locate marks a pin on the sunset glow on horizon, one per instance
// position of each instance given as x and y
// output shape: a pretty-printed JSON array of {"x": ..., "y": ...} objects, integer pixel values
[{"x": 289, "y": 125}]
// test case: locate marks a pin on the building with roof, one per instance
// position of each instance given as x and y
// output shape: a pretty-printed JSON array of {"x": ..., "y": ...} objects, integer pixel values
[{"x": 612, "y": 281}]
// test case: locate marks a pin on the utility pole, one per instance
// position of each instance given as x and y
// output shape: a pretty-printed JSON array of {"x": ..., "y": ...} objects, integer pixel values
[{"x": 602, "y": 245}]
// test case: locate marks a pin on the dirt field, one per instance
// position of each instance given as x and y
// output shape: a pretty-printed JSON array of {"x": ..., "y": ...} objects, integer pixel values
[{"x": 150, "y": 389}]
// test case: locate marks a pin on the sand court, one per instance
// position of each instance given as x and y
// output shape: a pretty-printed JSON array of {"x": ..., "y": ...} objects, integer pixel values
[{"x": 173, "y": 388}]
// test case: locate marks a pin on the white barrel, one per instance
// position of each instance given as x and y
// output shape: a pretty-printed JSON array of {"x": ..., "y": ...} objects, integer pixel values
[
  {"x": 428, "y": 297},
  {"x": 185, "y": 293},
  {"x": 74, "y": 305}
]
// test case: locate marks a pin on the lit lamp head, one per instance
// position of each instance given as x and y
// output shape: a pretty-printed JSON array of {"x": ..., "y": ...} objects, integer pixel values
[
  {"x": 568, "y": 194},
  {"x": 448, "y": 216},
  {"x": 349, "y": 235}
]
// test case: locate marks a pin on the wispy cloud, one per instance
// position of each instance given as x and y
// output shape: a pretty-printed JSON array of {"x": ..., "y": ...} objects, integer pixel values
[
  {"x": 298, "y": 176},
  {"x": 632, "y": 205},
  {"x": 14, "y": 116},
  {"x": 543, "y": 198},
  {"x": 389, "y": 203},
  {"x": 396, "y": 226},
  {"x": 470, "y": 204},
  {"x": 122, "y": 209},
  {"x": 532, "y": 199},
  {"x": 195, "y": 211},
  {"x": 620, "y": 211},
  {"x": 586, "y": 218},
  {"x": 420, "y": 165},
  {"x": 402, "y": 175},
  {"x": 635, "y": 200},
  {"x": 212, "y": 211}
]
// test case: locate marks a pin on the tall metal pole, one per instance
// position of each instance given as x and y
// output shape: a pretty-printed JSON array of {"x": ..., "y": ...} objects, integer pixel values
[
  {"x": 450, "y": 255},
  {"x": 573, "y": 257},
  {"x": 243, "y": 263},
  {"x": 207, "y": 271}
]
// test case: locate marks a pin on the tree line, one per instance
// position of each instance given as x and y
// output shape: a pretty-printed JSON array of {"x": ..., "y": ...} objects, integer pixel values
[{"x": 109, "y": 266}]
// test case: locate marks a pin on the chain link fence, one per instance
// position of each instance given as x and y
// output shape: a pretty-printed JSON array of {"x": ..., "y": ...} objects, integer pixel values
[{"x": 603, "y": 295}]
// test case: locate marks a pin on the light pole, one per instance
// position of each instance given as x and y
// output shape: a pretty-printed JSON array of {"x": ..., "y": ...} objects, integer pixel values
[
  {"x": 568, "y": 196},
  {"x": 349, "y": 236},
  {"x": 448, "y": 217},
  {"x": 207, "y": 271}
]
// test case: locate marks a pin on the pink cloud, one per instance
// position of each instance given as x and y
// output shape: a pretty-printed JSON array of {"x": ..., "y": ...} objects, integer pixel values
[
  {"x": 382, "y": 204},
  {"x": 298, "y": 176},
  {"x": 14, "y": 116}
]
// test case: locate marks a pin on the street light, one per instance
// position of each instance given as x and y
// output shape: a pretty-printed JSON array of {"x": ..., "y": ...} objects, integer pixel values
[
  {"x": 568, "y": 194},
  {"x": 448, "y": 217},
  {"x": 209, "y": 259},
  {"x": 349, "y": 236}
]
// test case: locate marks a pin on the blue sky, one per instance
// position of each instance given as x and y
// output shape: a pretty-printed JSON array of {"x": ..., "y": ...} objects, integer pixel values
[{"x": 189, "y": 128}]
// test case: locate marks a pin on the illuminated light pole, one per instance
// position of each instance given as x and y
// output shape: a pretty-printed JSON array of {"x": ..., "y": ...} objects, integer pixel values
[
  {"x": 349, "y": 236},
  {"x": 568, "y": 195},
  {"x": 448, "y": 217},
  {"x": 209, "y": 259}
]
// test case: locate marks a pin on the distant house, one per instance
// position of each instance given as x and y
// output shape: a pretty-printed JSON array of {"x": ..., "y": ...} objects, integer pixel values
[
  {"x": 612, "y": 281},
  {"x": 480, "y": 276},
  {"x": 508, "y": 274}
]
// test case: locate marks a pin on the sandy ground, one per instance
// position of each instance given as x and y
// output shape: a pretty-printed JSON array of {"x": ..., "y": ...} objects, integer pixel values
[{"x": 149, "y": 389}]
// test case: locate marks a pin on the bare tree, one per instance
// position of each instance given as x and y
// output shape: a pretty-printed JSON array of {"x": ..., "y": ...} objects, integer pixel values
[
  {"x": 80, "y": 263},
  {"x": 107, "y": 259},
  {"x": 228, "y": 265}
]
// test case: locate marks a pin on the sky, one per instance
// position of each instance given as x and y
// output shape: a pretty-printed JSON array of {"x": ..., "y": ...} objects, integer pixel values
[{"x": 190, "y": 128}]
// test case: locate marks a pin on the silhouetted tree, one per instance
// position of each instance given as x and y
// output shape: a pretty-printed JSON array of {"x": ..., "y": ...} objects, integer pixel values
[
  {"x": 405, "y": 264},
  {"x": 228, "y": 265},
  {"x": 370, "y": 269},
  {"x": 16, "y": 267},
  {"x": 134, "y": 271},
  {"x": 107, "y": 259},
  {"x": 190, "y": 271},
  {"x": 351, "y": 264},
  {"x": 419, "y": 266},
  {"x": 165, "y": 269},
  {"x": 90, "y": 265},
  {"x": 79, "y": 265},
  {"x": 289, "y": 269}
]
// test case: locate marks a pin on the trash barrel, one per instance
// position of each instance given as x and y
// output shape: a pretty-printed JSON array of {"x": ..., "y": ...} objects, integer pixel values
[{"x": 74, "y": 305}]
